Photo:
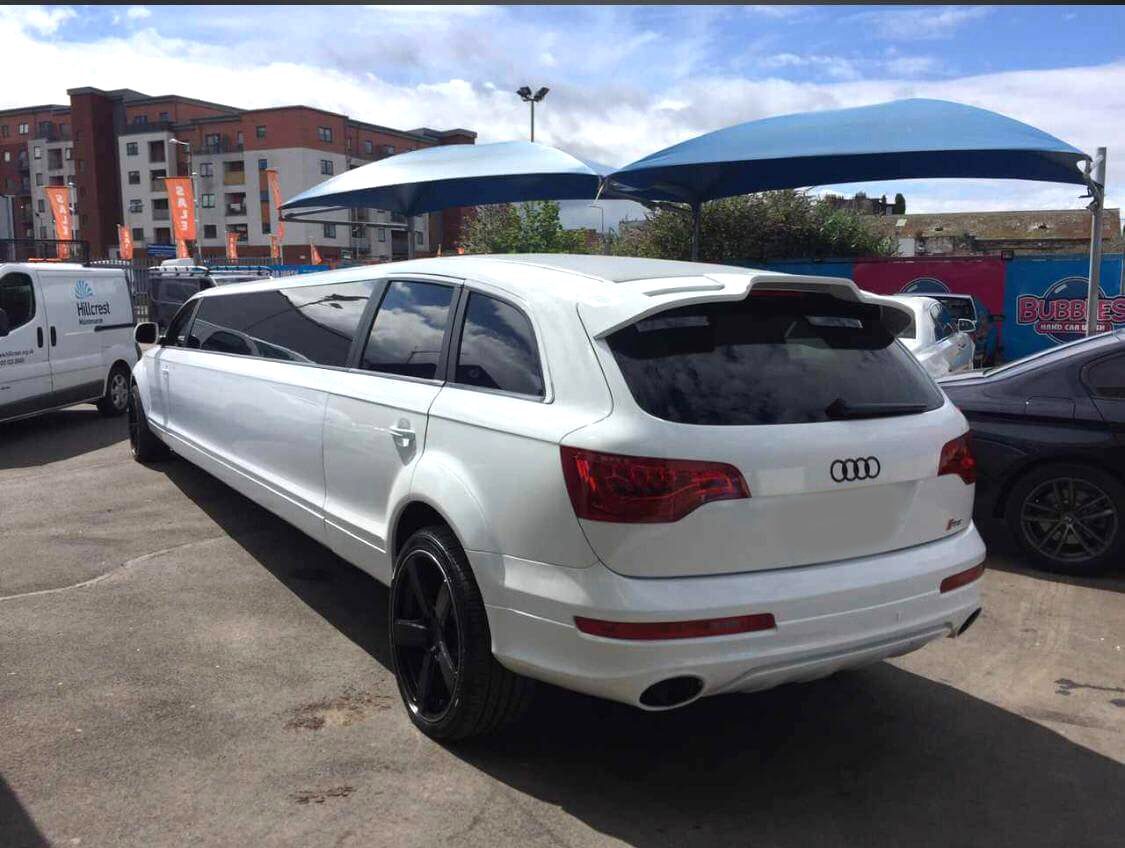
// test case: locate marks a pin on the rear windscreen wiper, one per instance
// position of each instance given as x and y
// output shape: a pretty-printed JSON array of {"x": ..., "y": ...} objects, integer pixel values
[{"x": 840, "y": 409}]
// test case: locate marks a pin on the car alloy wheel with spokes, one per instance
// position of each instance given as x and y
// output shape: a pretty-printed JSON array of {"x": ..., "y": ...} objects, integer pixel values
[
  {"x": 1069, "y": 519},
  {"x": 441, "y": 645},
  {"x": 426, "y": 636}
]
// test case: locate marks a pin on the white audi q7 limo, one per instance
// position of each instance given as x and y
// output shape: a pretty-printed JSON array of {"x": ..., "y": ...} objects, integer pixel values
[{"x": 649, "y": 481}]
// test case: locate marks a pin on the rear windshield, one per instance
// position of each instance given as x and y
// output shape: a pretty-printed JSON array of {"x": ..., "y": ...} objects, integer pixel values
[{"x": 786, "y": 358}]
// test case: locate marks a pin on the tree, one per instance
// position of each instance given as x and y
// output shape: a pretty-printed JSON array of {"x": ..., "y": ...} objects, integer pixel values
[
  {"x": 900, "y": 205},
  {"x": 757, "y": 228},
  {"x": 524, "y": 228}
]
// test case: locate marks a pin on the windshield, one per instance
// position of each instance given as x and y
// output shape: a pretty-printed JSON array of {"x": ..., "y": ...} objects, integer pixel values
[{"x": 773, "y": 358}]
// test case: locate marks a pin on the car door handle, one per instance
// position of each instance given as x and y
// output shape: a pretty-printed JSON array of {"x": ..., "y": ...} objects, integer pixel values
[
  {"x": 54, "y": 338},
  {"x": 403, "y": 436},
  {"x": 39, "y": 335}
]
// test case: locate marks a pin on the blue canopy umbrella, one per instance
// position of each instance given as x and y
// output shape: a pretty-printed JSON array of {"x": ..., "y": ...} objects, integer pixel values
[
  {"x": 904, "y": 139},
  {"x": 457, "y": 175}
]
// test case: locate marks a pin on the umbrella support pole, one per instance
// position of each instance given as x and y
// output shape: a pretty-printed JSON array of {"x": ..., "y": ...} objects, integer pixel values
[
  {"x": 696, "y": 209},
  {"x": 1096, "y": 183}
]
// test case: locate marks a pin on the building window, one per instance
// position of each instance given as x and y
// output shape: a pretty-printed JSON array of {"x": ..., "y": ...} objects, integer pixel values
[
  {"x": 164, "y": 116},
  {"x": 138, "y": 233},
  {"x": 418, "y": 238},
  {"x": 140, "y": 119},
  {"x": 266, "y": 225},
  {"x": 37, "y": 153},
  {"x": 7, "y": 156},
  {"x": 382, "y": 233},
  {"x": 22, "y": 129},
  {"x": 239, "y": 139},
  {"x": 69, "y": 154},
  {"x": 368, "y": 146},
  {"x": 42, "y": 232},
  {"x": 156, "y": 151},
  {"x": 131, "y": 148},
  {"x": 211, "y": 142},
  {"x": 324, "y": 133},
  {"x": 40, "y": 205},
  {"x": 388, "y": 150},
  {"x": 326, "y": 167},
  {"x": 330, "y": 231},
  {"x": 39, "y": 179},
  {"x": 207, "y": 201},
  {"x": 260, "y": 132},
  {"x": 3, "y": 130},
  {"x": 263, "y": 164},
  {"x": 136, "y": 206},
  {"x": 209, "y": 231},
  {"x": 162, "y": 235},
  {"x": 242, "y": 230},
  {"x": 206, "y": 169},
  {"x": 134, "y": 178}
]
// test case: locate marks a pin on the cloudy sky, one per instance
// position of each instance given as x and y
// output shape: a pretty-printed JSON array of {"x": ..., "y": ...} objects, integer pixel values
[{"x": 625, "y": 81}]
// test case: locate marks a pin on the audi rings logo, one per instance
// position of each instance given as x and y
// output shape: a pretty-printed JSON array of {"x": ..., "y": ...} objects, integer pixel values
[{"x": 860, "y": 468}]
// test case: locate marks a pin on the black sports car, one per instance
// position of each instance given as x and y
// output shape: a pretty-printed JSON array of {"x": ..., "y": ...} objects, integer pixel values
[{"x": 1049, "y": 438}]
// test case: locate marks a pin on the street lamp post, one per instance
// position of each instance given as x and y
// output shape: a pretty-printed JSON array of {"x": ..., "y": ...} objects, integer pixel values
[
  {"x": 525, "y": 94},
  {"x": 605, "y": 241},
  {"x": 194, "y": 199}
]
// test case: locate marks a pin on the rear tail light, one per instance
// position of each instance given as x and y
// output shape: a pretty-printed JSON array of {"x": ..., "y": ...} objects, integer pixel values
[
  {"x": 957, "y": 458},
  {"x": 637, "y": 489},
  {"x": 649, "y": 631},
  {"x": 962, "y": 578}
]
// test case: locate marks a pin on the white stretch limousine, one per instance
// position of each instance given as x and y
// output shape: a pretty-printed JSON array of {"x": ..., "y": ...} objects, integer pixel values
[{"x": 649, "y": 481}]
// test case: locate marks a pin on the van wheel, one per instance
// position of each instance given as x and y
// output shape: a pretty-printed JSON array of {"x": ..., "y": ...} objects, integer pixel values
[
  {"x": 143, "y": 443},
  {"x": 1069, "y": 518},
  {"x": 441, "y": 647},
  {"x": 116, "y": 398}
]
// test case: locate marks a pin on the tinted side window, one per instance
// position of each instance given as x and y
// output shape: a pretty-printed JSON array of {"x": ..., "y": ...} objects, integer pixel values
[
  {"x": 313, "y": 324},
  {"x": 498, "y": 348},
  {"x": 178, "y": 328},
  {"x": 1106, "y": 377},
  {"x": 941, "y": 326},
  {"x": 407, "y": 333},
  {"x": 17, "y": 299}
]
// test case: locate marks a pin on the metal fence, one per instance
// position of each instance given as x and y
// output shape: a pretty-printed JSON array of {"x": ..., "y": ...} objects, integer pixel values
[{"x": 33, "y": 249}]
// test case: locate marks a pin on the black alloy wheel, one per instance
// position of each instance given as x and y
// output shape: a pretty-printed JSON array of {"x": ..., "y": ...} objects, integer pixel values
[
  {"x": 441, "y": 645},
  {"x": 426, "y": 636},
  {"x": 1069, "y": 518}
]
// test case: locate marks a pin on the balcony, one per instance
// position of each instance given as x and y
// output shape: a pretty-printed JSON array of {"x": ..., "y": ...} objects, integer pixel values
[
  {"x": 157, "y": 185},
  {"x": 161, "y": 215},
  {"x": 224, "y": 145},
  {"x": 234, "y": 177},
  {"x": 236, "y": 209},
  {"x": 53, "y": 134}
]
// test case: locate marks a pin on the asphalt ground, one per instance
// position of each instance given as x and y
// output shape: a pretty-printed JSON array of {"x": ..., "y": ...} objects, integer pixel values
[{"x": 178, "y": 667}]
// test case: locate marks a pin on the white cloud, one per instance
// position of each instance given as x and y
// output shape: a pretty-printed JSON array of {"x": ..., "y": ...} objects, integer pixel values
[
  {"x": 777, "y": 12},
  {"x": 39, "y": 19},
  {"x": 136, "y": 13},
  {"x": 921, "y": 24}
]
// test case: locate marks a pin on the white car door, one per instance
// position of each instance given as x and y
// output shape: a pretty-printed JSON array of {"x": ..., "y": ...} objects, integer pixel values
[
  {"x": 25, "y": 367},
  {"x": 376, "y": 418}
]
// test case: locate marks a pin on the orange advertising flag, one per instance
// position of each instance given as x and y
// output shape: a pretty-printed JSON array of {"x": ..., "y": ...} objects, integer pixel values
[
  {"x": 181, "y": 249},
  {"x": 59, "y": 198},
  {"x": 124, "y": 243},
  {"x": 275, "y": 249},
  {"x": 232, "y": 245},
  {"x": 314, "y": 254},
  {"x": 181, "y": 202},
  {"x": 275, "y": 195}
]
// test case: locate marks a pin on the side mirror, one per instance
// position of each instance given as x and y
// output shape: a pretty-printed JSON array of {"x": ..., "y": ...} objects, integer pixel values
[
  {"x": 966, "y": 325},
  {"x": 5, "y": 324},
  {"x": 145, "y": 333}
]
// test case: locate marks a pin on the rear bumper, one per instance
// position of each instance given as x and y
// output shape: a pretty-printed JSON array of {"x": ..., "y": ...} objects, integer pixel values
[{"x": 829, "y": 617}]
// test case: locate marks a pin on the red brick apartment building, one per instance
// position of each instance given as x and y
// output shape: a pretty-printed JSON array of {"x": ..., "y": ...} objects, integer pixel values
[{"x": 115, "y": 147}]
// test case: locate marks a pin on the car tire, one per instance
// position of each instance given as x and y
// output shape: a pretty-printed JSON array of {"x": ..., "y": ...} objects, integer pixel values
[
  {"x": 441, "y": 647},
  {"x": 1069, "y": 518},
  {"x": 143, "y": 443},
  {"x": 116, "y": 398}
]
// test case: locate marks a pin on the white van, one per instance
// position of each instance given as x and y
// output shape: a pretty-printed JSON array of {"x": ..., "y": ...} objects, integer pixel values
[
  {"x": 66, "y": 337},
  {"x": 649, "y": 481}
]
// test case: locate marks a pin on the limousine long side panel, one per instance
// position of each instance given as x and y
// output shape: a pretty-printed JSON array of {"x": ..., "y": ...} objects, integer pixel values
[
  {"x": 261, "y": 418},
  {"x": 374, "y": 432}
]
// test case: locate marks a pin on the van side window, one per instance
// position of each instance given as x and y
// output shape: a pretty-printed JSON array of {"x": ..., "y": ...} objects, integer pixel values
[
  {"x": 498, "y": 349},
  {"x": 312, "y": 324},
  {"x": 17, "y": 299},
  {"x": 407, "y": 333}
]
